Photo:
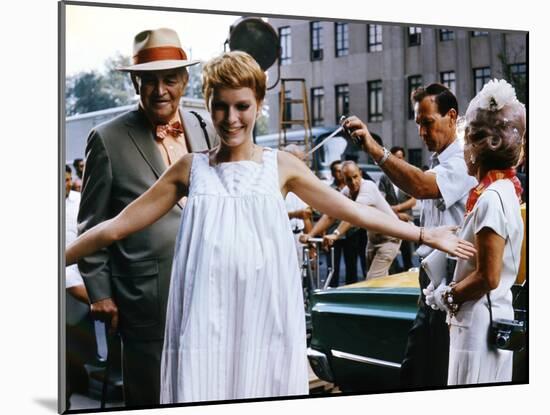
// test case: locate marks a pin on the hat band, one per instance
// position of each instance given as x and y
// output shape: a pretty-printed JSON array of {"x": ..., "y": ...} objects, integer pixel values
[{"x": 160, "y": 53}]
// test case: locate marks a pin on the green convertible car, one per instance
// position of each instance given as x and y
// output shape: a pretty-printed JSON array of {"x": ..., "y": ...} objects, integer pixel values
[{"x": 359, "y": 332}]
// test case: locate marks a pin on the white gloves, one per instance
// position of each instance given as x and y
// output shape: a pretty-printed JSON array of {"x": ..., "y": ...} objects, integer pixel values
[{"x": 434, "y": 296}]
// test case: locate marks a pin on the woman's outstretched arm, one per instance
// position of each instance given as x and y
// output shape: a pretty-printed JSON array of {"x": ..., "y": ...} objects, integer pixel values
[
  {"x": 294, "y": 176},
  {"x": 142, "y": 212}
]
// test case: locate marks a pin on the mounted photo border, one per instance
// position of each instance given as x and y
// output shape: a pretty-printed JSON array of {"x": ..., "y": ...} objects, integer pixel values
[{"x": 355, "y": 106}]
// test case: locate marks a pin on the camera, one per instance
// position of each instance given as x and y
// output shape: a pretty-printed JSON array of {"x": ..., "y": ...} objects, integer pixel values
[{"x": 508, "y": 334}]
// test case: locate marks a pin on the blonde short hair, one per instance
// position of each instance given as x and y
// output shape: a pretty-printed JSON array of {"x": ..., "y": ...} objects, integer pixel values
[{"x": 233, "y": 70}]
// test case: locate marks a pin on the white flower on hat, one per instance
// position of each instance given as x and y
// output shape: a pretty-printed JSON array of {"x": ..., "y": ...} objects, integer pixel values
[{"x": 495, "y": 94}]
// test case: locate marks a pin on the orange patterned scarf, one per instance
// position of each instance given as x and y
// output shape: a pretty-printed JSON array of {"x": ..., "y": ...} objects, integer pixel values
[{"x": 489, "y": 178}]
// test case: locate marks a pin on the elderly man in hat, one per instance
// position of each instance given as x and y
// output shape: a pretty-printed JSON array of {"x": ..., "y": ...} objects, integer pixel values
[{"x": 128, "y": 282}]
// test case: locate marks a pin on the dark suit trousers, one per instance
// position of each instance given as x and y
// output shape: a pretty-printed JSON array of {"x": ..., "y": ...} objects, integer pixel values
[
  {"x": 426, "y": 361},
  {"x": 141, "y": 360}
]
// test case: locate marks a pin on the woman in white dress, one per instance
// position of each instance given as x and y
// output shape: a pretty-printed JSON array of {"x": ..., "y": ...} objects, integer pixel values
[
  {"x": 235, "y": 325},
  {"x": 495, "y": 128}
]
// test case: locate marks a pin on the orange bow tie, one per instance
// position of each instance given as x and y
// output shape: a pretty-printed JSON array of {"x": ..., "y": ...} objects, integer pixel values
[{"x": 174, "y": 129}]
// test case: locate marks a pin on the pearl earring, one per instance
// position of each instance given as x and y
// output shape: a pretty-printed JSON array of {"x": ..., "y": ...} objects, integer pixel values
[{"x": 472, "y": 159}]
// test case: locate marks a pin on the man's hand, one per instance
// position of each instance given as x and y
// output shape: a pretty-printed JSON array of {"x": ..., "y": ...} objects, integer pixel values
[
  {"x": 106, "y": 310},
  {"x": 304, "y": 238},
  {"x": 328, "y": 240},
  {"x": 404, "y": 217},
  {"x": 303, "y": 214},
  {"x": 360, "y": 134}
]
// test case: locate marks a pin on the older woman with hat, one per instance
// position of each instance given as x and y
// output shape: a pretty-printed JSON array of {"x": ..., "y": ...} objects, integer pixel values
[
  {"x": 128, "y": 282},
  {"x": 495, "y": 129},
  {"x": 235, "y": 324}
]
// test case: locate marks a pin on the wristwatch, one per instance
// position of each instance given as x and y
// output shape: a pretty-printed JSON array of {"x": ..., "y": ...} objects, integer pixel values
[
  {"x": 386, "y": 155},
  {"x": 336, "y": 232}
]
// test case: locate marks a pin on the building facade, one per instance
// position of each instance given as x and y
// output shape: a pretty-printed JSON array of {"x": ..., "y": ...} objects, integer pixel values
[{"x": 369, "y": 70}]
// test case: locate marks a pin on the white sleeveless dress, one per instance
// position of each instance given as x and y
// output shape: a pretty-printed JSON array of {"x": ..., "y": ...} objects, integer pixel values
[{"x": 235, "y": 324}]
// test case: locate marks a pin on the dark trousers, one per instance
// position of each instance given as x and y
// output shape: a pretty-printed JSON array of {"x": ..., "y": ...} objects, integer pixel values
[
  {"x": 80, "y": 345},
  {"x": 338, "y": 247},
  {"x": 141, "y": 372},
  {"x": 353, "y": 247},
  {"x": 426, "y": 361},
  {"x": 362, "y": 251},
  {"x": 352, "y": 250},
  {"x": 406, "y": 254},
  {"x": 81, "y": 349}
]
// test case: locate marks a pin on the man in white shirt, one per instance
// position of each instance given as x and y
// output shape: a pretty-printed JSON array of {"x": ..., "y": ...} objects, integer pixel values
[
  {"x": 78, "y": 350},
  {"x": 381, "y": 249},
  {"x": 85, "y": 338},
  {"x": 443, "y": 190},
  {"x": 73, "y": 282}
]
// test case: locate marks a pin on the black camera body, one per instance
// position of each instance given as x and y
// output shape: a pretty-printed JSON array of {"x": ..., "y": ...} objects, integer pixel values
[{"x": 508, "y": 334}]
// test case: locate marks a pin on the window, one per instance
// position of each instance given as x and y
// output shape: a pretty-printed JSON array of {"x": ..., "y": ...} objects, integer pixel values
[
  {"x": 481, "y": 77},
  {"x": 374, "y": 38},
  {"x": 342, "y": 101},
  {"x": 286, "y": 47},
  {"x": 317, "y": 106},
  {"x": 375, "y": 103},
  {"x": 449, "y": 80},
  {"x": 413, "y": 82},
  {"x": 287, "y": 107},
  {"x": 476, "y": 33},
  {"x": 316, "y": 41},
  {"x": 341, "y": 39},
  {"x": 446, "y": 34},
  {"x": 415, "y": 157},
  {"x": 518, "y": 70},
  {"x": 415, "y": 34}
]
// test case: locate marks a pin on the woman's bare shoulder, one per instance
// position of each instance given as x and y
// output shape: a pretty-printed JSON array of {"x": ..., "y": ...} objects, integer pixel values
[
  {"x": 180, "y": 171},
  {"x": 288, "y": 160}
]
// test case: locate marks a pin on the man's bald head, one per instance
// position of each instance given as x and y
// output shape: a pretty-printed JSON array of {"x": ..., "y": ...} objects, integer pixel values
[
  {"x": 296, "y": 150},
  {"x": 352, "y": 176}
]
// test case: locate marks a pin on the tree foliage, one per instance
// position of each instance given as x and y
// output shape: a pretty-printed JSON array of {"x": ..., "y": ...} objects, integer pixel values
[
  {"x": 194, "y": 86},
  {"x": 94, "y": 90}
]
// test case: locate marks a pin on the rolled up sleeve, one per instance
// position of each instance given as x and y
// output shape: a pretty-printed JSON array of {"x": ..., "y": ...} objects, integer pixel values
[{"x": 453, "y": 180}]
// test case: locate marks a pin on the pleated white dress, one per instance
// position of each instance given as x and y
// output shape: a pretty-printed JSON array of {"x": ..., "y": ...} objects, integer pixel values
[
  {"x": 471, "y": 359},
  {"x": 235, "y": 324}
]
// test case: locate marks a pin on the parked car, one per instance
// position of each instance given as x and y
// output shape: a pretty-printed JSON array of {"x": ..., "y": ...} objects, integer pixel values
[{"x": 359, "y": 332}]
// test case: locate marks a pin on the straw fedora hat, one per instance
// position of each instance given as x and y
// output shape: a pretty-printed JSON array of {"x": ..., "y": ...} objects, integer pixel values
[{"x": 157, "y": 50}]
